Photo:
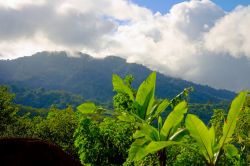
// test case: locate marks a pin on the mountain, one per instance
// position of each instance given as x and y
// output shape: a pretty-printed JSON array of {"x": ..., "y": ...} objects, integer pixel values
[{"x": 91, "y": 77}]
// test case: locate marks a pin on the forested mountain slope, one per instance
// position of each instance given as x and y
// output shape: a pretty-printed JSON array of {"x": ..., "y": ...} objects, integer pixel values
[{"x": 91, "y": 77}]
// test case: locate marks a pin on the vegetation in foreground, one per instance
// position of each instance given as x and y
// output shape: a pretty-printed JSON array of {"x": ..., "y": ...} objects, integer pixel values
[{"x": 141, "y": 130}]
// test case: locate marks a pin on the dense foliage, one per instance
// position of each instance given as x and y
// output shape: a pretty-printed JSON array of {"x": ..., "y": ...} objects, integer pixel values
[
  {"x": 41, "y": 98},
  {"x": 7, "y": 109},
  {"x": 141, "y": 130},
  {"x": 56, "y": 126},
  {"x": 103, "y": 143}
]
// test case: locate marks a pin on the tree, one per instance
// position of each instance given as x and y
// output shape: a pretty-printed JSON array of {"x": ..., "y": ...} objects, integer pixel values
[
  {"x": 58, "y": 128},
  {"x": 103, "y": 142},
  {"x": 211, "y": 146},
  {"x": 8, "y": 110}
]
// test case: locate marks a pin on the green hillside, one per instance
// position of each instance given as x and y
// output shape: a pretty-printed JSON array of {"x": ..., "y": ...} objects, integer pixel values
[{"x": 88, "y": 77}]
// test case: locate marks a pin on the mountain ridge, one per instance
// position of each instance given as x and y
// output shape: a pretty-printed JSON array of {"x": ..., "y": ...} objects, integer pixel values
[{"x": 91, "y": 77}]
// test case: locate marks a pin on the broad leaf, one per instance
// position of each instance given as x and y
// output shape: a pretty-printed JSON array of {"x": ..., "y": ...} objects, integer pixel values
[
  {"x": 179, "y": 135},
  {"x": 137, "y": 149},
  {"x": 126, "y": 117},
  {"x": 87, "y": 108},
  {"x": 145, "y": 95},
  {"x": 120, "y": 86},
  {"x": 138, "y": 134},
  {"x": 150, "y": 132},
  {"x": 152, "y": 147},
  {"x": 160, "y": 107},
  {"x": 150, "y": 117},
  {"x": 230, "y": 123},
  {"x": 201, "y": 134},
  {"x": 211, "y": 132},
  {"x": 159, "y": 123},
  {"x": 173, "y": 119}
]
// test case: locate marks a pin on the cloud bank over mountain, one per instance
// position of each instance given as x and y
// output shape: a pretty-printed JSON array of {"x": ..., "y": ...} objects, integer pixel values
[{"x": 196, "y": 40}]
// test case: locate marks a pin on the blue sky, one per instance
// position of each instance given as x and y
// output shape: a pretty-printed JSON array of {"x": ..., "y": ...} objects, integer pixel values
[{"x": 163, "y": 6}]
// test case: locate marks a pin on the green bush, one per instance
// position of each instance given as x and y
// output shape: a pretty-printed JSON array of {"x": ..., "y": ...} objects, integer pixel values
[{"x": 103, "y": 143}]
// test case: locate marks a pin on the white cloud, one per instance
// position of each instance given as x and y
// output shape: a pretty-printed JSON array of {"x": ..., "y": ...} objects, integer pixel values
[
  {"x": 231, "y": 34},
  {"x": 118, "y": 9},
  {"x": 18, "y": 4},
  {"x": 193, "y": 18},
  {"x": 27, "y": 46},
  {"x": 196, "y": 40},
  {"x": 73, "y": 30}
]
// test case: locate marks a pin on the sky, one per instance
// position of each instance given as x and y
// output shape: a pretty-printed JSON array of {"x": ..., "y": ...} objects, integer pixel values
[
  {"x": 163, "y": 6},
  {"x": 202, "y": 41}
]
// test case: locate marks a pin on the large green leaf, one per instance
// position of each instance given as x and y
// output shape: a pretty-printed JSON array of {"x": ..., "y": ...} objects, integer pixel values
[
  {"x": 230, "y": 123},
  {"x": 138, "y": 134},
  {"x": 126, "y": 117},
  {"x": 152, "y": 147},
  {"x": 150, "y": 132},
  {"x": 159, "y": 123},
  {"x": 87, "y": 108},
  {"x": 145, "y": 95},
  {"x": 120, "y": 86},
  {"x": 199, "y": 131},
  {"x": 173, "y": 119},
  {"x": 162, "y": 106},
  {"x": 158, "y": 109},
  {"x": 179, "y": 135},
  {"x": 211, "y": 132},
  {"x": 150, "y": 117},
  {"x": 137, "y": 149}
]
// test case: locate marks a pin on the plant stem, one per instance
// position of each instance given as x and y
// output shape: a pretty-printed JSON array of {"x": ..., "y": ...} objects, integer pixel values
[{"x": 163, "y": 157}]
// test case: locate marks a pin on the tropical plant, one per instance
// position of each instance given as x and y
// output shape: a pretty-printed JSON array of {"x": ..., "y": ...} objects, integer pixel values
[
  {"x": 211, "y": 146},
  {"x": 143, "y": 106},
  {"x": 242, "y": 133},
  {"x": 149, "y": 140},
  {"x": 145, "y": 110}
]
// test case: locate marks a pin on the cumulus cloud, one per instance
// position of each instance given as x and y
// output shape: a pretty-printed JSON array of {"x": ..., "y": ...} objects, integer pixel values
[
  {"x": 195, "y": 17},
  {"x": 196, "y": 40},
  {"x": 71, "y": 25},
  {"x": 70, "y": 30},
  {"x": 231, "y": 34},
  {"x": 169, "y": 42}
]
